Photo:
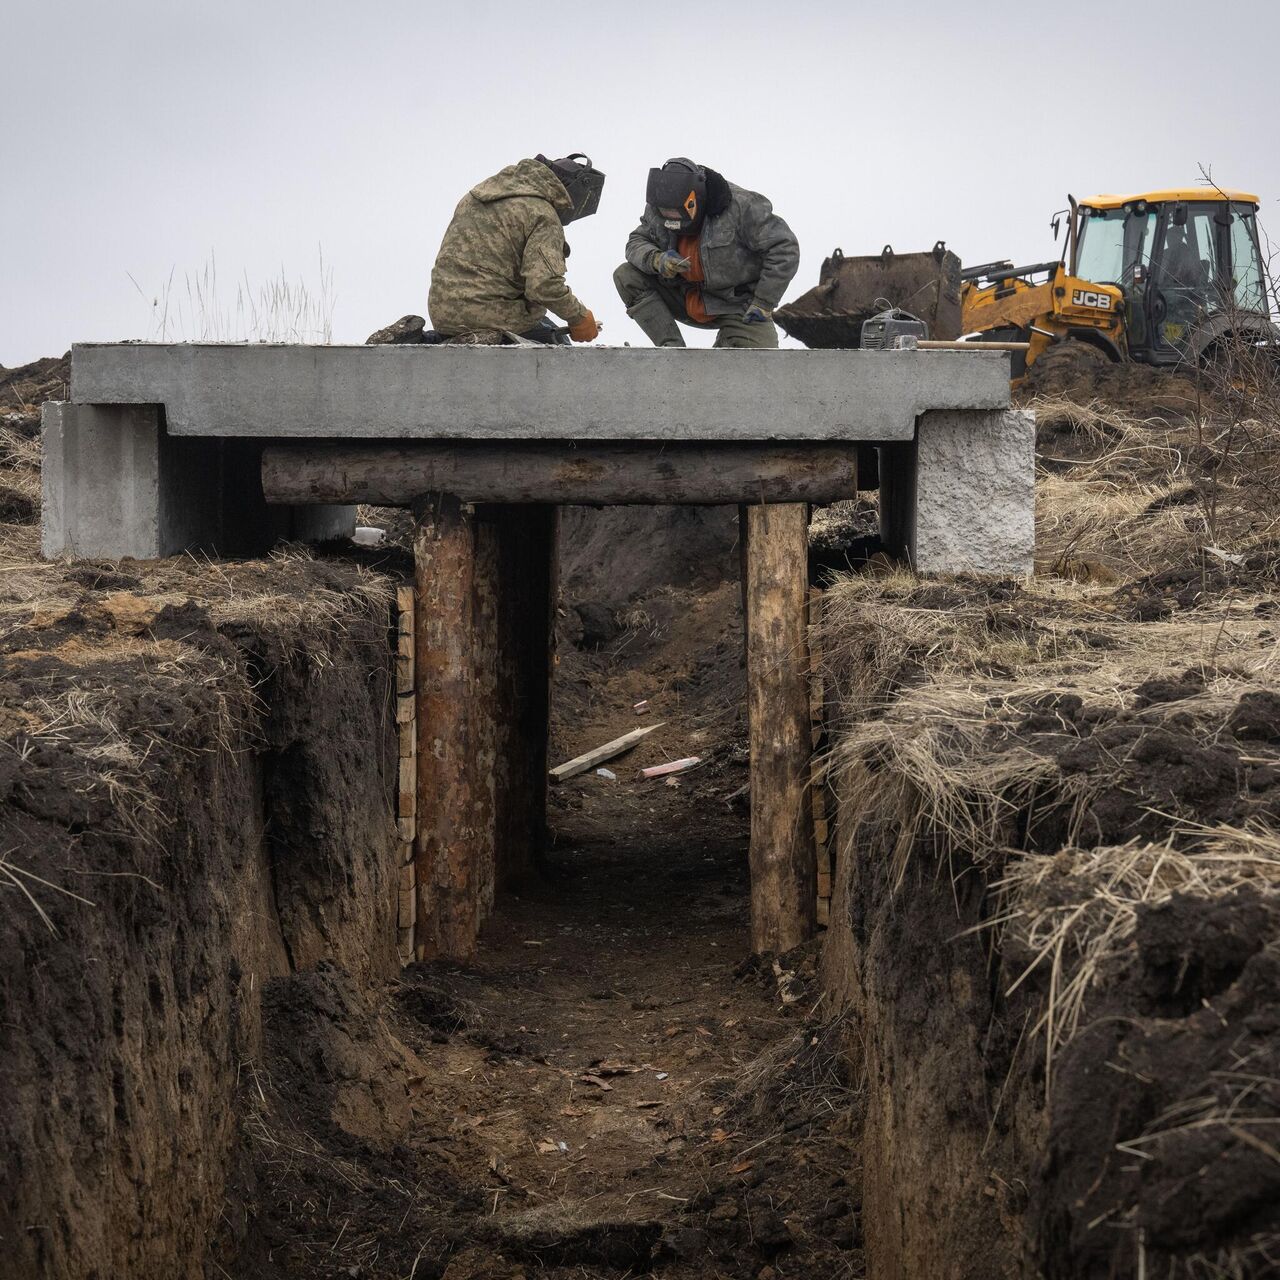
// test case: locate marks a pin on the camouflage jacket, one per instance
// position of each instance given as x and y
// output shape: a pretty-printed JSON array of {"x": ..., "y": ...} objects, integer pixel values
[
  {"x": 501, "y": 263},
  {"x": 749, "y": 254}
]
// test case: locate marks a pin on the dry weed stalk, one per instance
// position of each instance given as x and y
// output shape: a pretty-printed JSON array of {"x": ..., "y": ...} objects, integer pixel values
[{"x": 281, "y": 310}]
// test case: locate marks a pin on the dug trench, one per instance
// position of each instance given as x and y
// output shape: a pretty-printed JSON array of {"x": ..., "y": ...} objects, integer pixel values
[
  {"x": 1040, "y": 1037},
  {"x": 213, "y": 1063}
]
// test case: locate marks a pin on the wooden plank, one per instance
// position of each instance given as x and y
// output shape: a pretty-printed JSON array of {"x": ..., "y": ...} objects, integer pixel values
[
  {"x": 404, "y": 676},
  {"x": 408, "y": 735},
  {"x": 407, "y": 806},
  {"x": 561, "y": 473},
  {"x": 408, "y": 905},
  {"x": 444, "y": 568},
  {"x": 407, "y": 829},
  {"x": 598, "y": 755},
  {"x": 782, "y": 857},
  {"x": 405, "y": 708}
]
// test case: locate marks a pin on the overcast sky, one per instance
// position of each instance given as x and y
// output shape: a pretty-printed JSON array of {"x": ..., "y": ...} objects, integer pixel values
[{"x": 139, "y": 138}]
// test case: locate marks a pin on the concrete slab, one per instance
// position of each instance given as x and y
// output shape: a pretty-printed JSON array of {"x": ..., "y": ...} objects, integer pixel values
[{"x": 532, "y": 393}]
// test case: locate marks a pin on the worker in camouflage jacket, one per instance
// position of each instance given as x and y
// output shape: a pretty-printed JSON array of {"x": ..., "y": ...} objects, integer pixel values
[
  {"x": 501, "y": 265},
  {"x": 706, "y": 253}
]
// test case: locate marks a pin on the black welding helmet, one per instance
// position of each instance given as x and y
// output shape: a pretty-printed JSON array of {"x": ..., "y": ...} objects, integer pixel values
[
  {"x": 678, "y": 193},
  {"x": 582, "y": 180}
]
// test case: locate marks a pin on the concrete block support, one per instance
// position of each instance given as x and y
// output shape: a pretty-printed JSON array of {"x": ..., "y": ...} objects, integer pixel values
[
  {"x": 961, "y": 497},
  {"x": 117, "y": 484},
  {"x": 975, "y": 494}
]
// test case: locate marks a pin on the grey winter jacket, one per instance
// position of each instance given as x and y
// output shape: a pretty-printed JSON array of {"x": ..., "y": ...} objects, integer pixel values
[{"x": 749, "y": 254}]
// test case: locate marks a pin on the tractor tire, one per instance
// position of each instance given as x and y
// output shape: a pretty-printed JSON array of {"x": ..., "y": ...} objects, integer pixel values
[{"x": 1070, "y": 368}]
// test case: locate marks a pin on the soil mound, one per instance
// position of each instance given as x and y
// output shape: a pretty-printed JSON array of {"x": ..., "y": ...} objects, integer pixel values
[{"x": 32, "y": 384}]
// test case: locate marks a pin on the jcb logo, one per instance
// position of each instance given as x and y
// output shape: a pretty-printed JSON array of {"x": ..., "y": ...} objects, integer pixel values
[{"x": 1088, "y": 298}]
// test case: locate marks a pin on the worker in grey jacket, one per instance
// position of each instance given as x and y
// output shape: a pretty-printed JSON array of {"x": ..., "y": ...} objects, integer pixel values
[{"x": 706, "y": 253}]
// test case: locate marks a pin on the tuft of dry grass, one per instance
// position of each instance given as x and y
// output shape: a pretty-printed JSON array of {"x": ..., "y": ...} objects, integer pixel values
[
  {"x": 279, "y": 310},
  {"x": 1076, "y": 910}
]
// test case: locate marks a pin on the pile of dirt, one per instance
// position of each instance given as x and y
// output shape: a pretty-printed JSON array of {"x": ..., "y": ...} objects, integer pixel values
[
  {"x": 1139, "y": 389},
  {"x": 616, "y": 554},
  {"x": 24, "y": 388}
]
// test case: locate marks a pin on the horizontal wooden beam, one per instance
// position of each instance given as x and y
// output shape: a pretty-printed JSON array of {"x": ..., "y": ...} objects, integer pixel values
[{"x": 393, "y": 475}]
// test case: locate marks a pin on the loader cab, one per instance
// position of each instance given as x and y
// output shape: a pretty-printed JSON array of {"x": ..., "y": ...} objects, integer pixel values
[{"x": 1188, "y": 263}]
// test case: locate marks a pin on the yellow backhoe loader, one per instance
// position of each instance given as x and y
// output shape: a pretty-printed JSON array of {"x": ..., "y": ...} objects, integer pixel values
[{"x": 1160, "y": 278}]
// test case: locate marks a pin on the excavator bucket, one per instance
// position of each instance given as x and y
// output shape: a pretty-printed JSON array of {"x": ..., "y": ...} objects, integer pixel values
[{"x": 851, "y": 290}]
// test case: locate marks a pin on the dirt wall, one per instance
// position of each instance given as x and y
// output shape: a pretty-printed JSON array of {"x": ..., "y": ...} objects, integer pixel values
[
  {"x": 940, "y": 1190},
  {"x": 1056, "y": 931},
  {"x": 195, "y": 798}
]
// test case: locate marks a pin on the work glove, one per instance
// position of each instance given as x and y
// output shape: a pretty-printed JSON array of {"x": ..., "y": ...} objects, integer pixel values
[
  {"x": 669, "y": 264},
  {"x": 756, "y": 314},
  {"x": 584, "y": 329}
]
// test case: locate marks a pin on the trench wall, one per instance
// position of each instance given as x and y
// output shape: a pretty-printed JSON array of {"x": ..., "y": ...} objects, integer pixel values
[
  {"x": 943, "y": 1189},
  {"x": 1055, "y": 934},
  {"x": 218, "y": 793}
]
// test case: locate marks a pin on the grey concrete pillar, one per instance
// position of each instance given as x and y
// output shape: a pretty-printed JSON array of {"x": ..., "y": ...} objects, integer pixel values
[
  {"x": 116, "y": 484},
  {"x": 975, "y": 495}
]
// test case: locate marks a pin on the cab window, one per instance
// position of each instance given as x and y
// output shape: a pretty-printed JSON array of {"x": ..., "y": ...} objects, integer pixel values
[
  {"x": 1189, "y": 262},
  {"x": 1101, "y": 253},
  {"x": 1249, "y": 288},
  {"x": 1113, "y": 242}
]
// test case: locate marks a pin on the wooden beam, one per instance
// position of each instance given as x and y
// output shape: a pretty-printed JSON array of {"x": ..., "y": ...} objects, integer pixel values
[
  {"x": 598, "y": 755},
  {"x": 448, "y": 843},
  {"x": 783, "y": 868},
  {"x": 558, "y": 473}
]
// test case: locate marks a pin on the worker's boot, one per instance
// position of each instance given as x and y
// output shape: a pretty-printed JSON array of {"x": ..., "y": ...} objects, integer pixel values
[{"x": 659, "y": 325}]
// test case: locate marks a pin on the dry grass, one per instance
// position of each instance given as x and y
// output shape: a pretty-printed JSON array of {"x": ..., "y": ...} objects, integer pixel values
[
  {"x": 937, "y": 677},
  {"x": 1076, "y": 910},
  {"x": 1121, "y": 496},
  {"x": 20, "y": 462},
  {"x": 198, "y": 309},
  {"x": 807, "y": 1072}
]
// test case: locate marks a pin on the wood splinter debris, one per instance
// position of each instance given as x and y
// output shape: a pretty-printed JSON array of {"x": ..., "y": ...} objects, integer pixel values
[{"x": 672, "y": 766}]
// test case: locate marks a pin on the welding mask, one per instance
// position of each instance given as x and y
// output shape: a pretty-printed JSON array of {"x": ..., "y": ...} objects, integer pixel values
[
  {"x": 678, "y": 194},
  {"x": 582, "y": 181}
]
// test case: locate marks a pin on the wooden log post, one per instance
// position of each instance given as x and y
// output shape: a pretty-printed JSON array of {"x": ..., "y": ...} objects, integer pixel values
[
  {"x": 449, "y": 844},
  {"x": 782, "y": 858}
]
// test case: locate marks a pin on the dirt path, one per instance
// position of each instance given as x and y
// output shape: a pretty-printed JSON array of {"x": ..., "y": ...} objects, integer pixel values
[{"x": 612, "y": 1089}]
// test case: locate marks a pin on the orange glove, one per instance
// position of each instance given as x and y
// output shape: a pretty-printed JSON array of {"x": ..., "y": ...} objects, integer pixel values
[{"x": 585, "y": 329}]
